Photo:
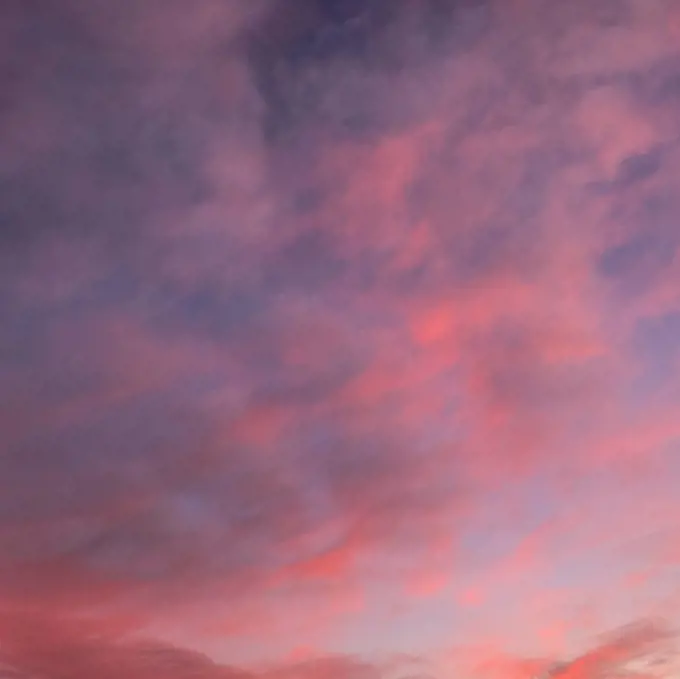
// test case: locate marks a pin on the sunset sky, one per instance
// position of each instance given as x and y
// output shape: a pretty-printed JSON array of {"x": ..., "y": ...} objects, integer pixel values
[{"x": 339, "y": 339}]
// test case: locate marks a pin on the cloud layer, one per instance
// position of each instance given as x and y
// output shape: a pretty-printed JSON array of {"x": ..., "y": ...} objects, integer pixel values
[{"x": 348, "y": 328}]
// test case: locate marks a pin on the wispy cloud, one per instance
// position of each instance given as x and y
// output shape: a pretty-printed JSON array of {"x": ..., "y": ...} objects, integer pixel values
[{"x": 346, "y": 317}]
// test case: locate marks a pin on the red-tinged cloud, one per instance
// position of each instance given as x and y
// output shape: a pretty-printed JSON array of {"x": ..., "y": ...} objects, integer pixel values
[
  {"x": 345, "y": 326},
  {"x": 63, "y": 649},
  {"x": 640, "y": 649}
]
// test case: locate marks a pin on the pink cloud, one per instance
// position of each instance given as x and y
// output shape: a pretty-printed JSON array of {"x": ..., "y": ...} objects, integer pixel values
[{"x": 304, "y": 311}]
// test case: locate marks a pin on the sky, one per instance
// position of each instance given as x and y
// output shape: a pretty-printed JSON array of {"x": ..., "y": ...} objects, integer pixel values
[{"x": 339, "y": 339}]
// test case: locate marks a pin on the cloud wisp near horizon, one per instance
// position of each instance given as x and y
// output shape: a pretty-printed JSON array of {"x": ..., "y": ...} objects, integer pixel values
[{"x": 339, "y": 339}]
